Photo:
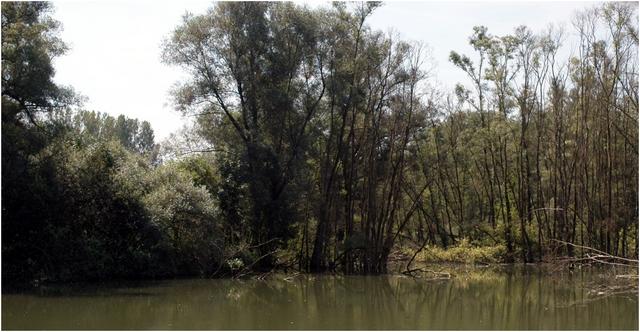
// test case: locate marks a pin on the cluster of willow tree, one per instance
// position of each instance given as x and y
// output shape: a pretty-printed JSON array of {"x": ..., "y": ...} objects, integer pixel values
[
  {"x": 335, "y": 132},
  {"x": 319, "y": 113},
  {"x": 320, "y": 144}
]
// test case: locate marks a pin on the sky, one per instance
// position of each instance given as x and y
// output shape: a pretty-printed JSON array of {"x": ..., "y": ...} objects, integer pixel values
[{"x": 114, "y": 57}]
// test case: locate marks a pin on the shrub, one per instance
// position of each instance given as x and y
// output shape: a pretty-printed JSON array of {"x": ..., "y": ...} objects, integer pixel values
[
  {"x": 187, "y": 216},
  {"x": 463, "y": 252}
]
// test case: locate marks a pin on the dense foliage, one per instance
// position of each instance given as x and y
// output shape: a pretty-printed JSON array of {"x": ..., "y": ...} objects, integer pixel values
[
  {"x": 319, "y": 144},
  {"x": 81, "y": 195}
]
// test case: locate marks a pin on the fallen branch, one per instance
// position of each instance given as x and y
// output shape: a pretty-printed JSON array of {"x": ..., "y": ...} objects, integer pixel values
[
  {"x": 599, "y": 256},
  {"x": 248, "y": 267},
  {"x": 438, "y": 275}
]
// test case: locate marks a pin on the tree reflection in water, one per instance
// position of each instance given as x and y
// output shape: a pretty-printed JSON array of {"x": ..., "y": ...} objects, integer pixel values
[{"x": 475, "y": 299}]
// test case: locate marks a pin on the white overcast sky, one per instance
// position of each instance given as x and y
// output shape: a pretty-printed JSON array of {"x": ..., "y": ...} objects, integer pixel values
[{"x": 114, "y": 56}]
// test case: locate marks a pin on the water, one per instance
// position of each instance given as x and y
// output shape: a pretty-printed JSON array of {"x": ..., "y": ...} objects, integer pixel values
[{"x": 480, "y": 299}]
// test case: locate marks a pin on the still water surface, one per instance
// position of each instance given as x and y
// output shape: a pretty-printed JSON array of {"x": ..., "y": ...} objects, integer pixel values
[{"x": 480, "y": 299}]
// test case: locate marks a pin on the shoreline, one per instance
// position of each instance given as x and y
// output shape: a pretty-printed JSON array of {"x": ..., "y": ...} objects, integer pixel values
[{"x": 451, "y": 269}]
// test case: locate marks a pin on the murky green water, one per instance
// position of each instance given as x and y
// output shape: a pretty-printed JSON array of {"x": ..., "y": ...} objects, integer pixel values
[{"x": 482, "y": 299}]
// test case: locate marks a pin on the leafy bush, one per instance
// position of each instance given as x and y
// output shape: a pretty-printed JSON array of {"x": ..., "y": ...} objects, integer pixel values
[
  {"x": 95, "y": 225},
  {"x": 188, "y": 218},
  {"x": 463, "y": 252},
  {"x": 100, "y": 211}
]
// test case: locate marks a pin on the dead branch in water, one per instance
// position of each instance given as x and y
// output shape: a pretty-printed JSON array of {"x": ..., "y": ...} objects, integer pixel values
[
  {"x": 437, "y": 275},
  {"x": 597, "y": 256}
]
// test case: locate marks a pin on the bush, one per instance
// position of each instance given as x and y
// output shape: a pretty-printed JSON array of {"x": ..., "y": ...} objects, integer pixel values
[
  {"x": 188, "y": 218},
  {"x": 98, "y": 211},
  {"x": 463, "y": 252},
  {"x": 94, "y": 225}
]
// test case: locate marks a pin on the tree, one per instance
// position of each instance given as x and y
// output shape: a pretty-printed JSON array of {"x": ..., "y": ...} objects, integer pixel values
[
  {"x": 29, "y": 44},
  {"x": 257, "y": 67}
]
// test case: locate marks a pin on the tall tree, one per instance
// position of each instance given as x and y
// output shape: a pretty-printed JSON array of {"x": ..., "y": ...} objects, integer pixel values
[{"x": 258, "y": 67}]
